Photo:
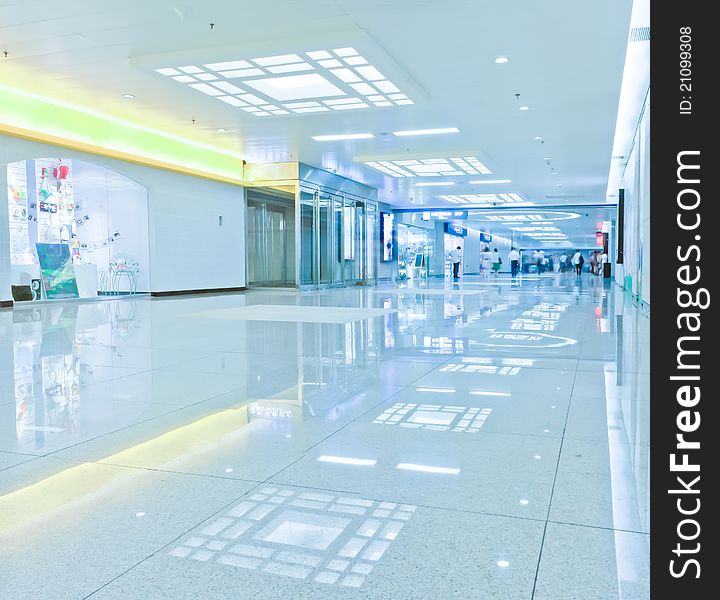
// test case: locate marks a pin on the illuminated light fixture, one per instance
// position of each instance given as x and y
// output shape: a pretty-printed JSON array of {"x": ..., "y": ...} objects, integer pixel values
[
  {"x": 537, "y": 138},
  {"x": 425, "y": 131},
  {"x": 206, "y": 89},
  {"x": 428, "y": 469},
  {"x": 483, "y": 198},
  {"x": 346, "y": 460},
  {"x": 523, "y": 108},
  {"x": 501, "y": 60},
  {"x": 342, "y": 136},
  {"x": 436, "y": 390},
  {"x": 488, "y": 181},
  {"x": 524, "y": 502},
  {"x": 432, "y": 183},
  {"x": 319, "y": 75},
  {"x": 431, "y": 167},
  {"x": 483, "y": 393},
  {"x": 129, "y": 96},
  {"x": 139, "y": 514},
  {"x": 537, "y": 457},
  {"x": 503, "y": 564},
  {"x": 222, "y": 130},
  {"x": 229, "y": 470}
]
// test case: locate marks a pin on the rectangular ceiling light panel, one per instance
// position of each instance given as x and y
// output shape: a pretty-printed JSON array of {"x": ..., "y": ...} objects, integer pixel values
[
  {"x": 429, "y": 167},
  {"x": 481, "y": 198},
  {"x": 317, "y": 75}
]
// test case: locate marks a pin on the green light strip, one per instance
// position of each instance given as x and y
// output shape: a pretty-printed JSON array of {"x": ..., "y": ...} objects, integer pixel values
[{"x": 78, "y": 129}]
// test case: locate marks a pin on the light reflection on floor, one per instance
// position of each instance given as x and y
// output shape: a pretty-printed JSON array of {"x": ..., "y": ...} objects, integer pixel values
[{"x": 322, "y": 451}]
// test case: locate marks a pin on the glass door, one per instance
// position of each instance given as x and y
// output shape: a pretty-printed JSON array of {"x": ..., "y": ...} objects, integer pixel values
[
  {"x": 308, "y": 241},
  {"x": 325, "y": 239},
  {"x": 270, "y": 240}
]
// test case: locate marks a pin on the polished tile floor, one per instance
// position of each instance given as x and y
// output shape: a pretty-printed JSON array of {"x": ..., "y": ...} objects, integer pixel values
[{"x": 486, "y": 439}]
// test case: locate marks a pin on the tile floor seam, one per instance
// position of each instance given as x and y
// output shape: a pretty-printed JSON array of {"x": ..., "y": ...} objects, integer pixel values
[
  {"x": 148, "y": 420},
  {"x": 619, "y": 530},
  {"x": 175, "y": 539},
  {"x": 552, "y": 489}
]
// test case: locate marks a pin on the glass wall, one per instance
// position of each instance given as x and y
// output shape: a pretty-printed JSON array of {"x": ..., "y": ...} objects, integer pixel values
[
  {"x": 323, "y": 232},
  {"x": 337, "y": 238},
  {"x": 271, "y": 238}
]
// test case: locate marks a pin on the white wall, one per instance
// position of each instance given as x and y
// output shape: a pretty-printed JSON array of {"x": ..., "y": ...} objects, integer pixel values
[
  {"x": 188, "y": 249},
  {"x": 635, "y": 274}
]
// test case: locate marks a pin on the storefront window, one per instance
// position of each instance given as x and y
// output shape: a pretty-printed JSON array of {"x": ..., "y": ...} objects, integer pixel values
[{"x": 76, "y": 230}]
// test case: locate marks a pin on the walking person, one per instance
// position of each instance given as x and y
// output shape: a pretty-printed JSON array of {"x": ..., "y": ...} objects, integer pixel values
[
  {"x": 563, "y": 262},
  {"x": 593, "y": 262},
  {"x": 456, "y": 259},
  {"x": 496, "y": 261},
  {"x": 578, "y": 261},
  {"x": 514, "y": 260},
  {"x": 486, "y": 262}
]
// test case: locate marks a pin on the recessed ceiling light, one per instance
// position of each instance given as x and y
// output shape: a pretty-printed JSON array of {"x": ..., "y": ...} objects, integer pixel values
[
  {"x": 546, "y": 158},
  {"x": 431, "y": 167},
  {"x": 501, "y": 60},
  {"x": 321, "y": 76},
  {"x": 553, "y": 173},
  {"x": 426, "y": 131},
  {"x": 483, "y": 181},
  {"x": 524, "y": 108},
  {"x": 129, "y": 96},
  {"x": 432, "y": 183},
  {"x": 537, "y": 138},
  {"x": 222, "y": 130},
  {"x": 503, "y": 563},
  {"x": 342, "y": 136}
]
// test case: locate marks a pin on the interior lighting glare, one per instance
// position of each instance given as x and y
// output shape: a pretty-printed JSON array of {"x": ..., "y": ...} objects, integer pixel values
[
  {"x": 488, "y": 181},
  {"x": 537, "y": 138},
  {"x": 524, "y": 108},
  {"x": 426, "y": 131},
  {"x": 343, "y": 136},
  {"x": 503, "y": 564},
  {"x": 318, "y": 75},
  {"x": 433, "y": 183},
  {"x": 484, "y": 393},
  {"x": 436, "y": 390},
  {"x": 428, "y": 469},
  {"x": 129, "y": 96},
  {"x": 346, "y": 460},
  {"x": 501, "y": 60}
]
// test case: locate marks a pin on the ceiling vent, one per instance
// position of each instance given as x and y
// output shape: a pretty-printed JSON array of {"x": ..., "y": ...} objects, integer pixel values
[{"x": 640, "y": 34}]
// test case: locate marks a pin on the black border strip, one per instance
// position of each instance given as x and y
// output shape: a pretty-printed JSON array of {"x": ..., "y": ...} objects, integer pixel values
[{"x": 684, "y": 532}]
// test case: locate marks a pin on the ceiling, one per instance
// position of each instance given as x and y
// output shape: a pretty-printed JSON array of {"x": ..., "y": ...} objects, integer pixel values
[
  {"x": 566, "y": 62},
  {"x": 571, "y": 227}
]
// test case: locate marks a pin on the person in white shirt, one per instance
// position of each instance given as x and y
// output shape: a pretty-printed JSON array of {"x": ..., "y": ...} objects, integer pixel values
[
  {"x": 563, "y": 261},
  {"x": 514, "y": 260},
  {"x": 456, "y": 259},
  {"x": 496, "y": 261},
  {"x": 486, "y": 262},
  {"x": 578, "y": 261}
]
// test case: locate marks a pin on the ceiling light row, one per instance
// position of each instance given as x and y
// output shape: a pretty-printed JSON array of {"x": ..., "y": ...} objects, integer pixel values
[
  {"x": 431, "y": 167},
  {"x": 482, "y": 198},
  {"x": 364, "y": 136}
]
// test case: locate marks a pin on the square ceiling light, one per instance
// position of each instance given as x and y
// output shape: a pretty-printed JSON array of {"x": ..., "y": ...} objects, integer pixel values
[
  {"x": 310, "y": 82},
  {"x": 430, "y": 167},
  {"x": 482, "y": 198}
]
